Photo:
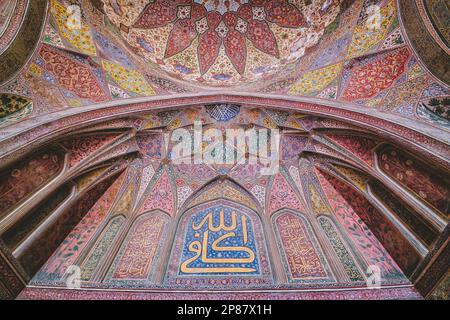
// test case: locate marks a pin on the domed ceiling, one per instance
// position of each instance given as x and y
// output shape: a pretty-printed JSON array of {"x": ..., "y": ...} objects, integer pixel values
[
  {"x": 343, "y": 54},
  {"x": 364, "y": 56},
  {"x": 93, "y": 92},
  {"x": 221, "y": 42}
]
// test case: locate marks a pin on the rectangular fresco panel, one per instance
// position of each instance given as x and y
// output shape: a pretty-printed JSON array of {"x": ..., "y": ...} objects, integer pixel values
[
  {"x": 141, "y": 248},
  {"x": 300, "y": 250}
]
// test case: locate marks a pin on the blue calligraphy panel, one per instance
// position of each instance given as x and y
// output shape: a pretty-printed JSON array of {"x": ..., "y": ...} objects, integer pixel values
[{"x": 219, "y": 241}]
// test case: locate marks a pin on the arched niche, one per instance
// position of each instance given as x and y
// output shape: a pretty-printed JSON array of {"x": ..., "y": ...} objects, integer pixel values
[
  {"x": 137, "y": 259},
  {"x": 92, "y": 262},
  {"x": 219, "y": 244},
  {"x": 302, "y": 256}
]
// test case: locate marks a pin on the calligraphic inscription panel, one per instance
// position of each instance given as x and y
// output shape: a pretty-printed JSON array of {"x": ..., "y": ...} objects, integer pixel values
[
  {"x": 219, "y": 245},
  {"x": 219, "y": 240},
  {"x": 302, "y": 254},
  {"x": 140, "y": 249}
]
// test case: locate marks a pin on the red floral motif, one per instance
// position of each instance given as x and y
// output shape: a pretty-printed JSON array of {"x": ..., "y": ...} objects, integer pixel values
[
  {"x": 384, "y": 293},
  {"x": 369, "y": 79},
  {"x": 141, "y": 248},
  {"x": 81, "y": 148},
  {"x": 236, "y": 50},
  {"x": 161, "y": 196},
  {"x": 359, "y": 146},
  {"x": 191, "y": 20},
  {"x": 72, "y": 75},
  {"x": 283, "y": 196},
  {"x": 408, "y": 172}
]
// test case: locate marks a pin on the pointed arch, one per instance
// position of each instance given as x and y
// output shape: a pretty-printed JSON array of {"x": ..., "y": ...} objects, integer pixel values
[{"x": 220, "y": 188}]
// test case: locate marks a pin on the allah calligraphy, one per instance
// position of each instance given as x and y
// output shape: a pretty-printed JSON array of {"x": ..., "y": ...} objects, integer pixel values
[{"x": 219, "y": 241}]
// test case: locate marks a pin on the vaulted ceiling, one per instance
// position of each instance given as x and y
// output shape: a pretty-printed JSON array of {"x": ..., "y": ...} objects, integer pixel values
[
  {"x": 359, "y": 90},
  {"x": 343, "y": 54}
]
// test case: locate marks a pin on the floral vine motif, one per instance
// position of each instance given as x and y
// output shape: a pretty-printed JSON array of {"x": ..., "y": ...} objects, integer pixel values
[{"x": 214, "y": 29}]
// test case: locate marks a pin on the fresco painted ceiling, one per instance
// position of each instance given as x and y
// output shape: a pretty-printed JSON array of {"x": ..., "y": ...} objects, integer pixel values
[
  {"x": 11, "y": 15},
  {"x": 87, "y": 106},
  {"x": 324, "y": 50},
  {"x": 133, "y": 207},
  {"x": 222, "y": 42}
]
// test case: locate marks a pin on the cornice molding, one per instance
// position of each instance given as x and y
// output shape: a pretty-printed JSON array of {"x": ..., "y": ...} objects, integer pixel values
[{"x": 35, "y": 130}]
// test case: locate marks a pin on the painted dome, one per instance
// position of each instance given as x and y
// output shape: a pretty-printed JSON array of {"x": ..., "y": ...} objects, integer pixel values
[
  {"x": 257, "y": 149},
  {"x": 219, "y": 42}
]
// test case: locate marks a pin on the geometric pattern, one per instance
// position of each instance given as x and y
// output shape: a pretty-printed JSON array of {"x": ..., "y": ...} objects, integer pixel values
[
  {"x": 225, "y": 190},
  {"x": 225, "y": 41}
]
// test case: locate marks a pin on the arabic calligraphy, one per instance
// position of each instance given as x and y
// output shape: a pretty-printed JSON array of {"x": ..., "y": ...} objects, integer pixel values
[
  {"x": 301, "y": 251},
  {"x": 219, "y": 241}
]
